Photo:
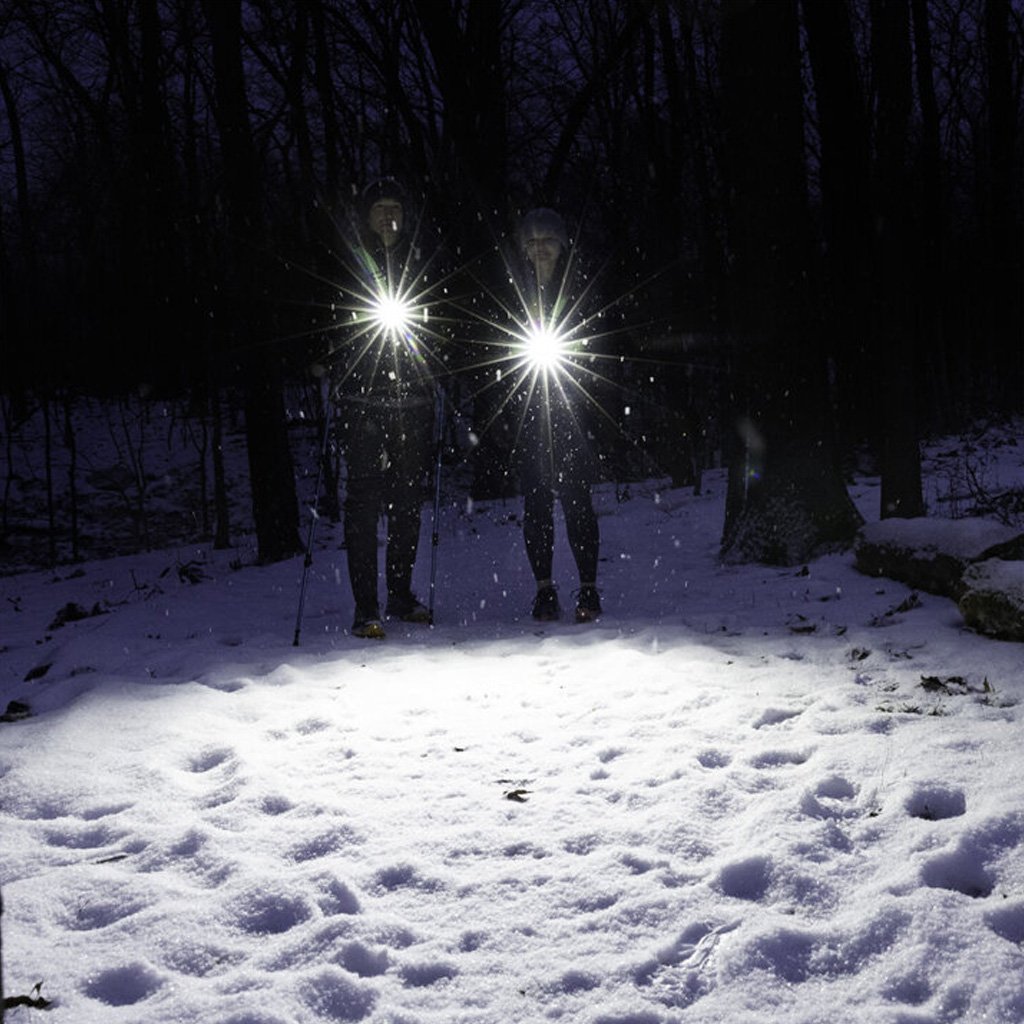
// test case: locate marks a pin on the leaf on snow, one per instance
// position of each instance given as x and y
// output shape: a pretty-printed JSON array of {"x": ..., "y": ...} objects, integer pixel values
[
  {"x": 800, "y": 624},
  {"x": 34, "y": 1002},
  {"x": 16, "y": 711},
  {"x": 949, "y": 685},
  {"x": 909, "y": 603},
  {"x": 74, "y": 612}
]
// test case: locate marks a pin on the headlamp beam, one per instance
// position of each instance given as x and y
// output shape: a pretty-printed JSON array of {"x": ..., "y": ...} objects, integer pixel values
[
  {"x": 545, "y": 346},
  {"x": 392, "y": 315}
]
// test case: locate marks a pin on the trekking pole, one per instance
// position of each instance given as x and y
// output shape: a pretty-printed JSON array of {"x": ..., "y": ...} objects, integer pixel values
[
  {"x": 439, "y": 432},
  {"x": 325, "y": 395}
]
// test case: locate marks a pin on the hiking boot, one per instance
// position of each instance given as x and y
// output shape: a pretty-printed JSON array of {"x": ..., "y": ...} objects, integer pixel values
[
  {"x": 408, "y": 609},
  {"x": 368, "y": 627},
  {"x": 588, "y": 604},
  {"x": 545, "y": 605}
]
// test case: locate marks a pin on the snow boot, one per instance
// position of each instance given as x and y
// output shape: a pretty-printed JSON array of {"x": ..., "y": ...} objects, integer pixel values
[
  {"x": 545, "y": 605},
  {"x": 368, "y": 627},
  {"x": 588, "y": 603},
  {"x": 407, "y": 608}
]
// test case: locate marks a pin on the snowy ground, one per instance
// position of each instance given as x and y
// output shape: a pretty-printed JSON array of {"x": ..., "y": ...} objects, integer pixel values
[{"x": 745, "y": 795}]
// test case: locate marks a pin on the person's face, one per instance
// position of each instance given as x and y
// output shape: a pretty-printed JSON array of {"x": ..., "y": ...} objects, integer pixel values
[
  {"x": 543, "y": 252},
  {"x": 386, "y": 220}
]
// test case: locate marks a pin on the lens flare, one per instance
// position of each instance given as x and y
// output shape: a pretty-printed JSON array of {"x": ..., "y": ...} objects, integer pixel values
[
  {"x": 545, "y": 346},
  {"x": 392, "y": 315}
]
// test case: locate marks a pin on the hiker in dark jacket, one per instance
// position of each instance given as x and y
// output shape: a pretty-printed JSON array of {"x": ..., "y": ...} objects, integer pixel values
[
  {"x": 386, "y": 394},
  {"x": 555, "y": 428}
]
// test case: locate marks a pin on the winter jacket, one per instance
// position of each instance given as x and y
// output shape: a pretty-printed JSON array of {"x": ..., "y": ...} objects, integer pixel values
[
  {"x": 389, "y": 366},
  {"x": 568, "y": 305},
  {"x": 557, "y": 410}
]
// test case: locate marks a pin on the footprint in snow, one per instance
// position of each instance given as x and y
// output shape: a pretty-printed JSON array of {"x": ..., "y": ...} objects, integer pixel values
[
  {"x": 333, "y": 995},
  {"x": 747, "y": 879},
  {"x": 311, "y": 726},
  {"x": 403, "y": 876},
  {"x": 959, "y": 871},
  {"x": 775, "y": 716},
  {"x": 324, "y": 844},
  {"x": 714, "y": 759},
  {"x": 573, "y": 981},
  {"x": 92, "y": 838},
  {"x": 779, "y": 758},
  {"x": 363, "y": 961},
  {"x": 124, "y": 986},
  {"x": 1008, "y": 922},
  {"x": 936, "y": 803},
  {"x": 336, "y": 897},
  {"x": 207, "y": 760},
  {"x": 678, "y": 975},
  {"x": 263, "y": 911},
  {"x": 831, "y": 798},
  {"x": 968, "y": 868},
  {"x": 422, "y": 975},
  {"x": 86, "y": 913}
]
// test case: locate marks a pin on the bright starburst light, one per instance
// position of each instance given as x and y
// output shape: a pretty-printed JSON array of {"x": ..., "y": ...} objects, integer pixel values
[
  {"x": 545, "y": 369},
  {"x": 384, "y": 314},
  {"x": 415, "y": 320},
  {"x": 387, "y": 318},
  {"x": 393, "y": 315},
  {"x": 546, "y": 346}
]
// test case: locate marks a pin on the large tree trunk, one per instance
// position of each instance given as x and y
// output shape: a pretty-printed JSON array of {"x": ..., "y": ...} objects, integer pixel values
[
  {"x": 846, "y": 209},
  {"x": 155, "y": 274},
  {"x": 786, "y": 501},
  {"x": 18, "y": 274},
  {"x": 472, "y": 81},
  {"x": 933, "y": 242},
  {"x": 1002, "y": 213},
  {"x": 274, "y": 501},
  {"x": 1, "y": 958},
  {"x": 895, "y": 331},
  {"x": 332, "y": 140}
]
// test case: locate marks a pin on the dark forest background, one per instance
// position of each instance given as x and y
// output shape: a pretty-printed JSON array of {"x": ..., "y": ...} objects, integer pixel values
[{"x": 809, "y": 212}]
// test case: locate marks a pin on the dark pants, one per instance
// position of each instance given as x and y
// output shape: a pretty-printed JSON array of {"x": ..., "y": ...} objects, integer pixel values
[
  {"x": 556, "y": 458},
  {"x": 387, "y": 456}
]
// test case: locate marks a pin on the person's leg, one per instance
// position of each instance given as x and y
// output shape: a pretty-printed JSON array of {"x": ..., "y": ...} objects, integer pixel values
[
  {"x": 410, "y": 433},
  {"x": 538, "y": 519},
  {"x": 364, "y": 455},
  {"x": 539, "y": 528},
  {"x": 582, "y": 528},
  {"x": 575, "y": 476}
]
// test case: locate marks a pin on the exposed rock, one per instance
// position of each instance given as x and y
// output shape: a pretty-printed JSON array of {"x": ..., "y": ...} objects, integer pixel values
[
  {"x": 993, "y": 598},
  {"x": 933, "y": 554}
]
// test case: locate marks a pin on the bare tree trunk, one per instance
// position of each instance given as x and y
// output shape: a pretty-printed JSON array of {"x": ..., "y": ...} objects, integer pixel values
[
  {"x": 846, "y": 208},
  {"x": 932, "y": 234},
  {"x": 51, "y": 501},
  {"x": 325, "y": 96},
  {"x": 472, "y": 81},
  {"x": 7, "y": 423},
  {"x": 1003, "y": 213},
  {"x": 71, "y": 443},
  {"x": 17, "y": 278},
  {"x": 2, "y": 1001},
  {"x": 582, "y": 102},
  {"x": 274, "y": 501},
  {"x": 221, "y": 508},
  {"x": 786, "y": 501},
  {"x": 895, "y": 333}
]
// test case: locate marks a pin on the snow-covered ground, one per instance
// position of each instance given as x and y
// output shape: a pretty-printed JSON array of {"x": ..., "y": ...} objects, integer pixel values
[{"x": 746, "y": 795}]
